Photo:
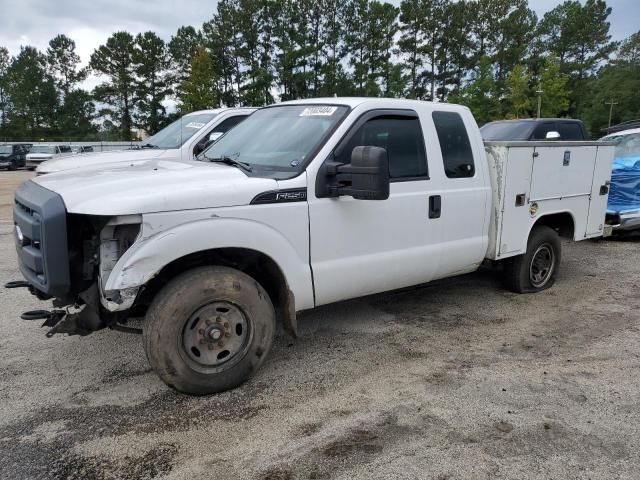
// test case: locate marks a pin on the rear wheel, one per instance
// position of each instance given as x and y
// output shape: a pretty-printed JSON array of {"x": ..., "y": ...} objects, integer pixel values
[
  {"x": 209, "y": 330},
  {"x": 13, "y": 165},
  {"x": 535, "y": 270}
]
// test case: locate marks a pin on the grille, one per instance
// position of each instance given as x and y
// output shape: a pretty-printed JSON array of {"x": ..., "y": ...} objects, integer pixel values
[{"x": 39, "y": 216}]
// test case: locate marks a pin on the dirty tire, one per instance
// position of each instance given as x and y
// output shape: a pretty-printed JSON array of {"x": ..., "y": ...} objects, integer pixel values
[
  {"x": 169, "y": 319},
  {"x": 521, "y": 274}
]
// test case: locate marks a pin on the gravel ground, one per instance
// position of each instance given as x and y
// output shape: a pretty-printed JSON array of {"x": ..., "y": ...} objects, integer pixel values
[{"x": 455, "y": 380}]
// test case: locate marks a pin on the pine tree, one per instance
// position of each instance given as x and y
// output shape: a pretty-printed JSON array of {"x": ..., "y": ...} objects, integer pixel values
[
  {"x": 115, "y": 60},
  {"x": 480, "y": 95},
  {"x": 518, "y": 92},
  {"x": 63, "y": 64},
  {"x": 153, "y": 83},
  {"x": 5, "y": 61},
  {"x": 555, "y": 95},
  {"x": 34, "y": 100},
  {"x": 199, "y": 91}
]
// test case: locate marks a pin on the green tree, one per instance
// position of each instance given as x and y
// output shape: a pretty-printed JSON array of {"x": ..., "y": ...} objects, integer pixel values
[
  {"x": 115, "y": 60},
  {"x": 77, "y": 116},
  {"x": 555, "y": 94},
  {"x": 411, "y": 42},
  {"x": 5, "y": 61},
  {"x": 63, "y": 64},
  {"x": 480, "y": 95},
  {"x": 183, "y": 46},
  {"x": 578, "y": 36},
  {"x": 199, "y": 90},
  {"x": 153, "y": 82},
  {"x": 619, "y": 81},
  {"x": 34, "y": 101},
  {"x": 518, "y": 92}
]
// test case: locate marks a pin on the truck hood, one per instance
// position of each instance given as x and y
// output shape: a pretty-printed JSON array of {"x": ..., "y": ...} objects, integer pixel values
[
  {"x": 153, "y": 186},
  {"x": 104, "y": 158}
]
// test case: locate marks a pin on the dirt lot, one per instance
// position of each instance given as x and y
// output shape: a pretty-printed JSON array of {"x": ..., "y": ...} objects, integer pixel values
[{"x": 459, "y": 380}]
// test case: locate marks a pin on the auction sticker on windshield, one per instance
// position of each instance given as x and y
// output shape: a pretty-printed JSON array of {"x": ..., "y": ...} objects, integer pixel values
[
  {"x": 195, "y": 125},
  {"x": 322, "y": 111}
]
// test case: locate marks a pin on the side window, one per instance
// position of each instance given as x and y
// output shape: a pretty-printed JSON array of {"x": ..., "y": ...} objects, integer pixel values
[
  {"x": 400, "y": 136},
  {"x": 570, "y": 131},
  {"x": 457, "y": 155}
]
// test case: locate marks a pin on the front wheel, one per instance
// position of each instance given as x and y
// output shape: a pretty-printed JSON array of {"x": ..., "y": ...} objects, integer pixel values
[
  {"x": 209, "y": 330},
  {"x": 535, "y": 270}
]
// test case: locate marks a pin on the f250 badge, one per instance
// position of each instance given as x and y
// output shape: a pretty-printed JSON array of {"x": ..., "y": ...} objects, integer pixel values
[{"x": 291, "y": 196}]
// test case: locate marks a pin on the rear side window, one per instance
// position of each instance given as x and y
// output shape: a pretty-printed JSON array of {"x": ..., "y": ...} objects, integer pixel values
[
  {"x": 454, "y": 144},
  {"x": 570, "y": 131}
]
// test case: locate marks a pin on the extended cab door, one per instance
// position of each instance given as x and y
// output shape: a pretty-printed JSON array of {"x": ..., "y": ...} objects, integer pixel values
[{"x": 359, "y": 247}]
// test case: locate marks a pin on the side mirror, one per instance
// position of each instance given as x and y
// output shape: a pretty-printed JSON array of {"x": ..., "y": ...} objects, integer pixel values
[
  {"x": 365, "y": 178},
  {"x": 552, "y": 135}
]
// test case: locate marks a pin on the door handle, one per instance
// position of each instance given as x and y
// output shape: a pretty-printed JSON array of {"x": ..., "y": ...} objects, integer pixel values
[{"x": 435, "y": 206}]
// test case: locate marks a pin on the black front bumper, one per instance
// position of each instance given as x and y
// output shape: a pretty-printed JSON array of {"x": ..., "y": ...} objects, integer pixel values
[{"x": 40, "y": 219}]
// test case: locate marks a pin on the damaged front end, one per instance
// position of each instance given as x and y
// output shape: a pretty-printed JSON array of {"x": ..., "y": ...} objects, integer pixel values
[{"x": 68, "y": 258}]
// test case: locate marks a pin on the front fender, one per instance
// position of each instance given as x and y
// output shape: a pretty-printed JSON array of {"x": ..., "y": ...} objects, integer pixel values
[{"x": 151, "y": 253}]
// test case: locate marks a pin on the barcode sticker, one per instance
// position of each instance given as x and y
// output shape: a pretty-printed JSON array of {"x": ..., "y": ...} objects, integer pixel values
[
  {"x": 197, "y": 125},
  {"x": 322, "y": 111}
]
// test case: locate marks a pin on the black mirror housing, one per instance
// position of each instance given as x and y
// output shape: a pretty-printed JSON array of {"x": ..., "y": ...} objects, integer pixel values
[
  {"x": 369, "y": 173},
  {"x": 365, "y": 178}
]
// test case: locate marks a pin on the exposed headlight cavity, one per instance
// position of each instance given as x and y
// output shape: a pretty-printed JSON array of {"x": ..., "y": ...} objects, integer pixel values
[{"x": 115, "y": 239}]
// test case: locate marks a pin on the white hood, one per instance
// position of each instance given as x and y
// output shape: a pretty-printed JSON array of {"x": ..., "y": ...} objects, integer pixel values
[
  {"x": 154, "y": 186},
  {"x": 105, "y": 158}
]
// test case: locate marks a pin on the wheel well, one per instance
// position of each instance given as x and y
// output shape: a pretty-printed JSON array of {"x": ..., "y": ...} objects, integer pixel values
[
  {"x": 561, "y": 222},
  {"x": 255, "y": 264}
]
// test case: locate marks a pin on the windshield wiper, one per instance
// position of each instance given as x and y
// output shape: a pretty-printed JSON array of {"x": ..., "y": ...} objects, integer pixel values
[{"x": 227, "y": 160}]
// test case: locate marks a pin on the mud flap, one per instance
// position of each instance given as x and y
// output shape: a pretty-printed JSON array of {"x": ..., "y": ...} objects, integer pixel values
[{"x": 289, "y": 314}]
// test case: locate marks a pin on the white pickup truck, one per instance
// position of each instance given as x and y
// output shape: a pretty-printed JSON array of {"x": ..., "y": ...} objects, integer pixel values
[
  {"x": 183, "y": 139},
  {"x": 304, "y": 203}
]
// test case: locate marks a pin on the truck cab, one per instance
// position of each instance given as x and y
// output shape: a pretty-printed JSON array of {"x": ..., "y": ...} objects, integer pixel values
[
  {"x": 304, "y": 203},
  {"x": 183, "y": 139}
]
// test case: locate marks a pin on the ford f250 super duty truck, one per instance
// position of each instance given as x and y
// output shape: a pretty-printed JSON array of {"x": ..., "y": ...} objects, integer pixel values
[
  {"x": 184, "y": 139},
  {"x": 303, "y": 204}
]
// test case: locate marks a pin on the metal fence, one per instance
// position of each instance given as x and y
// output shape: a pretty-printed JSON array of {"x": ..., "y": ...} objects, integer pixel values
[{"x": 97, "y": 146}]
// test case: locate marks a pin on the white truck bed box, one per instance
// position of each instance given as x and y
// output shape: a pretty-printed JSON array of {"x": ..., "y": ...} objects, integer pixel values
[{"x": 531, "y": 179}]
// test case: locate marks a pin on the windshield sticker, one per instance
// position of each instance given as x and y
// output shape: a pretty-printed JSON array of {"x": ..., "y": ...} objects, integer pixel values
[
  {"x": 196, "y": 125},
  {"x": 295, "y": 163},
  {"x": 318, "y": 111}
]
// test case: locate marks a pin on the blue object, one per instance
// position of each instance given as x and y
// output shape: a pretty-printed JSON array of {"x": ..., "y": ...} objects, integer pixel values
[{"x": 624, "y": 194}]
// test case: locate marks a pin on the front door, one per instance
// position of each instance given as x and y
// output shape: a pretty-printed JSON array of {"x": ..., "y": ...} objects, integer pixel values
[{"x": 360, "y": 247}]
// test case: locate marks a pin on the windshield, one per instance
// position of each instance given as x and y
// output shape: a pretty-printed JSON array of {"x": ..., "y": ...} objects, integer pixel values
[
  {"x": 506, "y": 131},
  {"x": 42, "y": 149},
  {"x": 5, "y": 149},
  {"x": 628, "y": 145},
  {"x": 179, "y": 131},
  {"x": 277, "y": 138}
]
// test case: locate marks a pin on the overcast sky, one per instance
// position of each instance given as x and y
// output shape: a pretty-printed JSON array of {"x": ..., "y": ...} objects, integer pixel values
[{"x": 90, "y": 22}]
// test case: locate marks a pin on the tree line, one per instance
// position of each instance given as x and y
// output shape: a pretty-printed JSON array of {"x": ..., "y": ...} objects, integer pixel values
[{"x": 495, "y": 56}]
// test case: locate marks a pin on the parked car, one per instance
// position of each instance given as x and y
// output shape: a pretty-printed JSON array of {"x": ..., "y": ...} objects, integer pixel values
[
  {"x": 184, "y": 139},
  {"x": 79, "y": 149},
  {"x": 13, "y": 156},
  {"x": 535, "y": 129},
  {"x": 303, "y": 204},
  {"x": 42, "y": 153},
  {"x": 623, "y": 209}
]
